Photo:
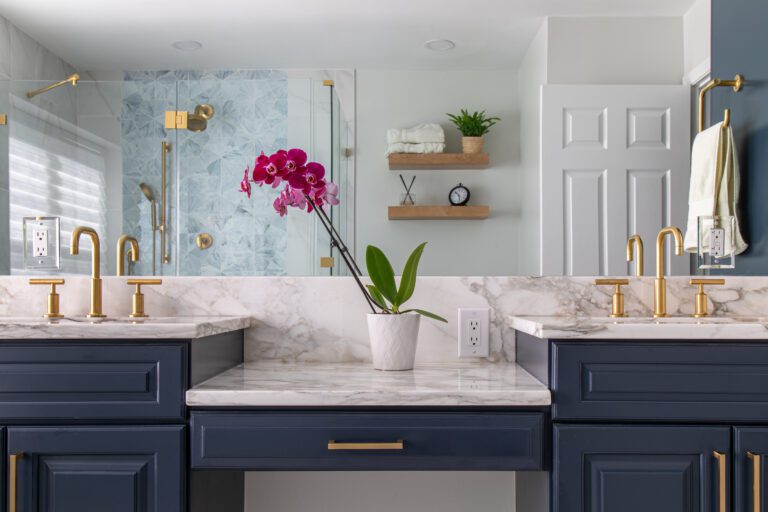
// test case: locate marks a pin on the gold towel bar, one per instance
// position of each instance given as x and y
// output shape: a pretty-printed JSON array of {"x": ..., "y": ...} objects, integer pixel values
[{"x": 737, "y": 83}]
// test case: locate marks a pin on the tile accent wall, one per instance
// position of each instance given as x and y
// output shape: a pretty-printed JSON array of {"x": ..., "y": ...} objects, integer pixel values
[{"x": 205, "y": 168}]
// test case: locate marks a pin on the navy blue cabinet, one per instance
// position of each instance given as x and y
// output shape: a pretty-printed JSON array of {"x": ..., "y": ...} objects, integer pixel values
[
  {"x": 750, "y": 448},
  {"x": 97, "y": 469},
  {"x": 659, "y": 468}
]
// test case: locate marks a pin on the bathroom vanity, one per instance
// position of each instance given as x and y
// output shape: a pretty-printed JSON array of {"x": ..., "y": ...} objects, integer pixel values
[
  {"x": 94, "y": 412},
  {"x": 667, "y": 414}
]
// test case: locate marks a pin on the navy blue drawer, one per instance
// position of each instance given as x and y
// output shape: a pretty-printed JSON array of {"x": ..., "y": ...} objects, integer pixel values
[
  {"x": 91, "y": 381},
  {"x": 430, "y": 441},
  {"x": 660, "y": 381}
]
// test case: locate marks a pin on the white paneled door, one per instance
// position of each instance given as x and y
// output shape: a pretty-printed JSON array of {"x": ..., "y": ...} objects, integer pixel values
[{"x": 615, "y": 162}]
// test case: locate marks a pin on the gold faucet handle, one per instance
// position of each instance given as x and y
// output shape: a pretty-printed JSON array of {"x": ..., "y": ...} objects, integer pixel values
[
  {"x": 701, "y": 296},
  {"x": 53, "y": 297},
  {"x": 617, "y": 301},
  {"x": 138, "y": 296}
]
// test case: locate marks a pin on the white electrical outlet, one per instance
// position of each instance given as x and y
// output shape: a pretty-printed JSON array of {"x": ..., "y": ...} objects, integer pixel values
[
  {"x": 473, "y": 332},
  {"x": 717, "y": 242},
  {"x": 40, "y": 243}
]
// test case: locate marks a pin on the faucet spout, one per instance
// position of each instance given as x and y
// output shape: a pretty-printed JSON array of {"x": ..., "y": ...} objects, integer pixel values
[
  {"x": 133, "y": 254},
  {"x": 678, "y": 236},
  {"x": 635, "y": 243},
  {"x": 660, "y": 284},
  {"x": 95, "y": 266}
]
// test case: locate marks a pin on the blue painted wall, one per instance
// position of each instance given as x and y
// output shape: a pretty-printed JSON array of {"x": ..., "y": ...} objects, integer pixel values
[{"x": 739, "y": 45}]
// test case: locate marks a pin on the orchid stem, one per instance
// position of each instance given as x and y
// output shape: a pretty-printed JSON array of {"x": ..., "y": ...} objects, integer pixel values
[{"x": 336, "y": 242}]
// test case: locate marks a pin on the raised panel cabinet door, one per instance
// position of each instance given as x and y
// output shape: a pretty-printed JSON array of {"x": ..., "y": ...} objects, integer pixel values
[
  {"x": 97, "y": 469},
  {"x": 750, "y": 449},
  {"x": 608, "y": 468}
]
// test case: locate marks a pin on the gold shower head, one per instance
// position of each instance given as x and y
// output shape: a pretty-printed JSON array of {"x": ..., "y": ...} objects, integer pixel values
[
  {"x": 198, "y": 121},
  {"x": 72, "y": 79}
]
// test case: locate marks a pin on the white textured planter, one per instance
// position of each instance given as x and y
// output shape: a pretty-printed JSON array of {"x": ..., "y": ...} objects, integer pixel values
[{"x": 393, "y": 340}]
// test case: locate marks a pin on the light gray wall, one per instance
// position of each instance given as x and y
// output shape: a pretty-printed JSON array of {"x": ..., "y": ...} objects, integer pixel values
[
  {"x": 697, "y": 25},
  {"x": 402, "y": 98},
  {"x": 532, "y": 74},
  {"x": 380, "y": 491},
  {"x": 21, "y": 58},
  {"x": 630, "y": 50}
]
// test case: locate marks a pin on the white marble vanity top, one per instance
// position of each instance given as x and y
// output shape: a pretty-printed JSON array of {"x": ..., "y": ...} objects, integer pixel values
[
  {"x": 714, "y": 328},
  {"x": 120, "y": 328},
  {"x": 271, "y": 384}
]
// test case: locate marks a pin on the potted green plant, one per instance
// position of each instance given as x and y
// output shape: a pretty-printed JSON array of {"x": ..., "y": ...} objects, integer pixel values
[
  {"x": 394, "y": 332},
  {"x": 472, "y": 127}
]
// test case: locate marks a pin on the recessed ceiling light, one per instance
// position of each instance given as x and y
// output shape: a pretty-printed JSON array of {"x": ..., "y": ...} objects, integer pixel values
[
  {"x": 440, "y": 45},
  {"x": 187, "y": 46}
]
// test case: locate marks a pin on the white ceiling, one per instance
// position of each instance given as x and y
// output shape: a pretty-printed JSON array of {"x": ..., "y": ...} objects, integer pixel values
[{"x": 136, "y": 34}]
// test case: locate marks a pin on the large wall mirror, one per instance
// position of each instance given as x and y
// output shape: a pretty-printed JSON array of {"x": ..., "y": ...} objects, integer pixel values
[{"x": 588, "y": 151}]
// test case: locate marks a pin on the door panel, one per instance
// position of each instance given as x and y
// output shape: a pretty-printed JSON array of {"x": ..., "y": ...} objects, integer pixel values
[
  {"x": 637, "y": 468},
  {"x": 615, "y": 162},
  {"x": 748, "y": 471},
  {"x": 94, "y": 469}
]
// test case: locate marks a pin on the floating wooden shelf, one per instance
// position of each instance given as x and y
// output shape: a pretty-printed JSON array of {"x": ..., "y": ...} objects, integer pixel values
[
  {"x": 417, "y": 161},
  {"x": 426, "y": 212}
]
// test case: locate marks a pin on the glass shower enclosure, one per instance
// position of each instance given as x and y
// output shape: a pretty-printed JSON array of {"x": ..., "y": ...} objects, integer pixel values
[{"x": 99, "y": 155}]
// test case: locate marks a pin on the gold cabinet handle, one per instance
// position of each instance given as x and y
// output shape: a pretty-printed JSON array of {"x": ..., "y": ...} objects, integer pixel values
[
  {"x": 721, "y": 464},
  {"x": 12, "y": 478},
  {"x": 397, "y": 445},
  {"x": 756, "y": 462}
]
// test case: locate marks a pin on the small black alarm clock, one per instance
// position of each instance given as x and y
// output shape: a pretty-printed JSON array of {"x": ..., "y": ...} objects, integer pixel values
[{"x": 459, "y": 195}]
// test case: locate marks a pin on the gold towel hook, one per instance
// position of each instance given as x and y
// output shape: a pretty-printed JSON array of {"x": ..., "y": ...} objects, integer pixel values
[{"x": 737, "y": 84}]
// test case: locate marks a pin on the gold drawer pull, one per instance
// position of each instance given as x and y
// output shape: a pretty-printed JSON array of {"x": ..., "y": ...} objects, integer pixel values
[
  {"x": 12, "y": 477},
  {"x": 755, "y": 458},
  {"x": 721, "y": 464},
  {"x": 397, "y": 445}
]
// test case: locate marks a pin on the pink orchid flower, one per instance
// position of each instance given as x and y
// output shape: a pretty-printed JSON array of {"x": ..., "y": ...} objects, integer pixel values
[
  {"x": 245, "y": 185},
  {"x": 305, "y": 183}
]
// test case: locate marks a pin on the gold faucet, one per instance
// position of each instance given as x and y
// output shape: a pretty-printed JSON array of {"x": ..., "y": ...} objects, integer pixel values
[
  {"x": 660, "y": 285},
  {"x": 95, "y": 268},
  {"x": 635, "y": 242},
  {"x": 134, "y": 253}
]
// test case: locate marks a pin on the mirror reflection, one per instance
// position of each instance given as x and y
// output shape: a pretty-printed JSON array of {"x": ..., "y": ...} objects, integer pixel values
[{"x": 539, "y": 159}]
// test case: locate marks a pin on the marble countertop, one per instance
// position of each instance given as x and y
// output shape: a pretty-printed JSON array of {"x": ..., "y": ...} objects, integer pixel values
[
  {"x": 120, "y": 328},
  {"x": 715, "y": 328},
  {"x": 271, "y": 384}
]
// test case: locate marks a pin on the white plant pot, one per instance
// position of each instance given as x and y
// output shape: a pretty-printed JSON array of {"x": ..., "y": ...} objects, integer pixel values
[{"x": 393, "y": 340}]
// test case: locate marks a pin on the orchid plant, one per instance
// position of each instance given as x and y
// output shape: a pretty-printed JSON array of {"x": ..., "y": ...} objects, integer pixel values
[
  {"x": 305, "y": 188},
  {"x": 384, "y": 291},
  {"x": 305, "y": 183}
]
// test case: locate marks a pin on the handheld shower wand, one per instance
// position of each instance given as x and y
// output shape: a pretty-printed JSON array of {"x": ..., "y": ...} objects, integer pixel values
[{"x": 147, "y": 191}]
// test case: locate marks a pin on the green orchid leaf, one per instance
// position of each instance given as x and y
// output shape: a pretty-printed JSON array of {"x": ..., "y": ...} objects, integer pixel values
[
  {"x": 408, "y": 279},
  {"x": 377, "y": 297},
  {"x": 427, "y": 314},
  {"x": 381, "y": 274}
]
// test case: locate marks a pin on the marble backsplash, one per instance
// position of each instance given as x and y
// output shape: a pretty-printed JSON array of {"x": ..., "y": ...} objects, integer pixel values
[{"x": 323, "y": 318}]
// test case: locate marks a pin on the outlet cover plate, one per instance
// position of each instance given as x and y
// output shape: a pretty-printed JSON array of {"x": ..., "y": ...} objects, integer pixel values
[
  {"x": 474, "y": 332},
  {"x": 42, "y": 246}
]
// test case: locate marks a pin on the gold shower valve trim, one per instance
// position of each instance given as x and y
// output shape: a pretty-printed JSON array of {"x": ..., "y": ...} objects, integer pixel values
[{"x": 3, "y": 119}]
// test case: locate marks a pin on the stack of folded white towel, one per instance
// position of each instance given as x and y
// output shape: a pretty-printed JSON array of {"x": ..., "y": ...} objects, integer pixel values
[{"x": 423, "y": 138}]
